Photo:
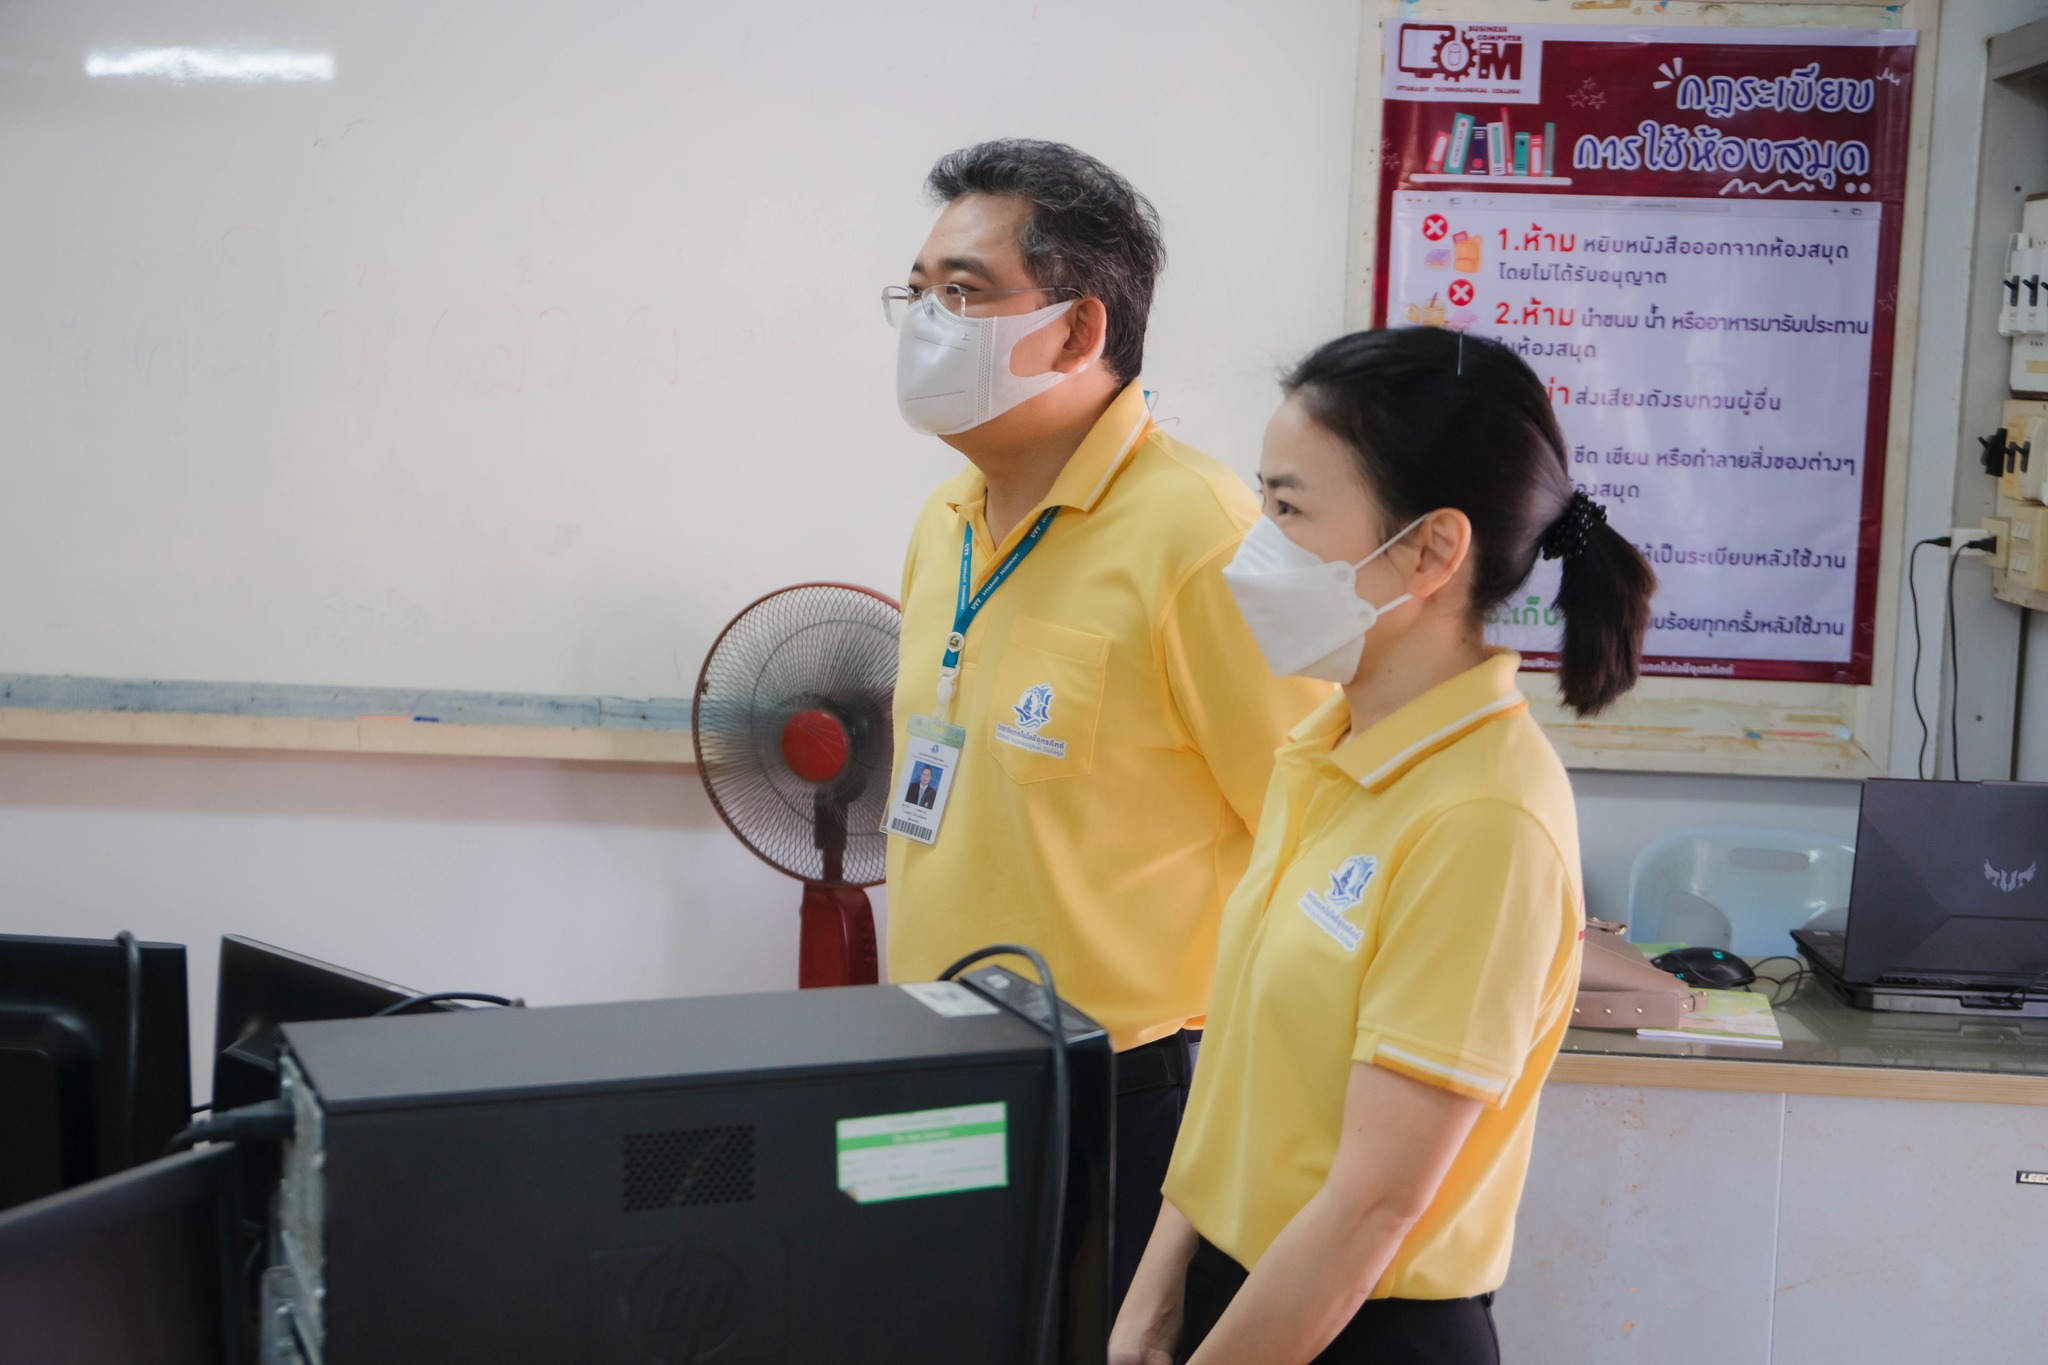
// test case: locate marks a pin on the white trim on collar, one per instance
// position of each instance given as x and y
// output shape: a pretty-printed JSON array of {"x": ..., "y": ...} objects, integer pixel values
[
  {"x": 1492, "y": 708},
  {"x": 1123, "y": 451}
]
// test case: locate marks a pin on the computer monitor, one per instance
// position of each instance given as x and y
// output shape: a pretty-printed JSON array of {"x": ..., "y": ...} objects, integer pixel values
[
  {"x": 1949, "y": 885},
  {"x": 95, "y": 1059},
  {"x": 867, "y": 1173},
  {"x": 133, "y": 1267},
  {"x": 263, "y": 987}
]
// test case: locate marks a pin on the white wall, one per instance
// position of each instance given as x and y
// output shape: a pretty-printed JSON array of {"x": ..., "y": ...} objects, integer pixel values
[
  {"x": 2033, "y": 752},
  {"x": 456, "y": 370},
  {"x": 1939, "y": 480},
  {"x": 556, "y": 882},
  {"x": 564, "y": 883}
]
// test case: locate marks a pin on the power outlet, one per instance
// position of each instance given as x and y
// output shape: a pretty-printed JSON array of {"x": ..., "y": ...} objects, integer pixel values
[
  {"x": 2026, "y": 558},
  {"x": 2001, "y": 529}
]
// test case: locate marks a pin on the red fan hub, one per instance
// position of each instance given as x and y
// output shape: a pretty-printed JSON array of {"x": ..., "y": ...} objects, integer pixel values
[{"x": 814, "y": 745}]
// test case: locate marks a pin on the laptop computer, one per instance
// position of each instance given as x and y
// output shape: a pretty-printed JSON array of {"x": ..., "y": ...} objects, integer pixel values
[{"x": 1948, "y": 904}]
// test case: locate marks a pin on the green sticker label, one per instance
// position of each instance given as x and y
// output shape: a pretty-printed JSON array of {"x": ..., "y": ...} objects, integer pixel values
[{"x": 931, "y": 1151}]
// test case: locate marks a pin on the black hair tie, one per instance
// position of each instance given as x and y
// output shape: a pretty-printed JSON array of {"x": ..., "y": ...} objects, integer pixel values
[{"x": 1567, "y": 536}]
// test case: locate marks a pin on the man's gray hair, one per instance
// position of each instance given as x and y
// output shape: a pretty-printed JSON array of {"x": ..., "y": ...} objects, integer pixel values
[{"x": 1089, "y": 229}]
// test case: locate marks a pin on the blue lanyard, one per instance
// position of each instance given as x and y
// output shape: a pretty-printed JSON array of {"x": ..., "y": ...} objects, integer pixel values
[{"x": 966, "y": 608}]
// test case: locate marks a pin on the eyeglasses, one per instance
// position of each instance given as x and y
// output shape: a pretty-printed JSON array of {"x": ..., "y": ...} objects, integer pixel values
[{"x": 957, "y": 299}]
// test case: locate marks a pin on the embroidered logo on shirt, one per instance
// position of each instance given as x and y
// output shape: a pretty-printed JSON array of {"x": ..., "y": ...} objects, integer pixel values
[
  {"x": 1033, "y": 711},
  {"x": 1347, "y": 889},
  {"x": 1034, "y": 708}
]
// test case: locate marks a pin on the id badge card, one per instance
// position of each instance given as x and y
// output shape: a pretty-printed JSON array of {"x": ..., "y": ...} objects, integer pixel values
[{"x": 933, "y": 756}]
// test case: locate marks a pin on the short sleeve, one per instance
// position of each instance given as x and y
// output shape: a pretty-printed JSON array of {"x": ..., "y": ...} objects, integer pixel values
[
  {"x": 910, "y": 561},
  {"x": 1479, "y": 925},
  {"x": 1228, "y": 699}
]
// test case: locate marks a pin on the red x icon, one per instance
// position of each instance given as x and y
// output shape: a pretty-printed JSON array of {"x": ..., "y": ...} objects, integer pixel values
[
  {"x": 1435, "y": 227},
  {"x": 1459, "y": 292}
]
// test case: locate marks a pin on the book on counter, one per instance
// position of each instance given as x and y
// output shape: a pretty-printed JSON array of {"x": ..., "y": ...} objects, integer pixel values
[{"x": 1739, "y": 1017}]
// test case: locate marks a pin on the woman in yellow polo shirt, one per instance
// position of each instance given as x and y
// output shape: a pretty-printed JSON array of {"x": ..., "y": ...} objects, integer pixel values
[{"x": 1397, "y": 968}]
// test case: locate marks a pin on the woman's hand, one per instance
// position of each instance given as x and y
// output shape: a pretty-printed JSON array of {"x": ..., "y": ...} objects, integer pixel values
[
  {"x": 1400, "y": 1136},
  {"x": 1148, "y": 1327}
]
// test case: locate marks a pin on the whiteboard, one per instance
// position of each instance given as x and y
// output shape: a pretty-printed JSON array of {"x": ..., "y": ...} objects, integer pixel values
[{"x": 525, "y": 345}]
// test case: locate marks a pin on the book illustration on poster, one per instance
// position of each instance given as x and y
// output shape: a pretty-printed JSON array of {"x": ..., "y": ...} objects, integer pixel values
[
  {"x": 1667, "y": 258},
  {"x": 1463, "y": 152}
]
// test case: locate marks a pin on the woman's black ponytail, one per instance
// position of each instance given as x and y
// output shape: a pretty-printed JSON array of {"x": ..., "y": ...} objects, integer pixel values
[
  {"x": 1439, "y": 419},
  {"x": 1604, "y": 587}
]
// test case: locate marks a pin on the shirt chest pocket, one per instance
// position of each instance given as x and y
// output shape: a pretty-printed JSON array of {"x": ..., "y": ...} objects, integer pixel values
[{"x": 1046, "y": 700}]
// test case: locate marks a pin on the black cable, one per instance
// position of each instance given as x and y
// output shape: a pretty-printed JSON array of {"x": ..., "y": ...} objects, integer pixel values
[
  {"x": 1797, "y": 979},
  {"x": 1913, "y": 586},
  {"x": 1955, "y": 696},
  {"x": 270, "y": 1121},
  {"x": 1048, "y": 1345},
  {"x": 131, "y": 1111},
  {"x": 2018, "y": 996},
  {"x": 435, "y": 997}
]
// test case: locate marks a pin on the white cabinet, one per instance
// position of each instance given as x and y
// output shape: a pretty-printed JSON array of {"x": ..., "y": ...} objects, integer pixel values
[
  {"x": 1904, "y": 1234},
  {"x": 1646, "y": 1230},
  {"x": 1667, "y": 1227}
]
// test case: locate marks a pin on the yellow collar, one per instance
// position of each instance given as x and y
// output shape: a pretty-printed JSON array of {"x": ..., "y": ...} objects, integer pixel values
[
  {"x": 1089, "y": 471},
  {"x": 1431, "y": 723}
]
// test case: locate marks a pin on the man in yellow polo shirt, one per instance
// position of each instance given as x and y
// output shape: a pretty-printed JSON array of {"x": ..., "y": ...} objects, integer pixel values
[{"x": 1072, "y": 663}]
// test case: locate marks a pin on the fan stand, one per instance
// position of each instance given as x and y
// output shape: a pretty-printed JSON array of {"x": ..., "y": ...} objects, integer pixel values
[
  {"x": 837, "y": 947},
  {"x": 837, "y": 942}
]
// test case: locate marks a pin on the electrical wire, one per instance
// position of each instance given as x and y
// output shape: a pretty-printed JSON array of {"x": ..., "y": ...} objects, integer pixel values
[
  {"x": 2017, "y": 998},
  {"x": 1055, "y": 1234},
  {"x": 268, "y": 1121},
  {"x": 1955, "y": 696},
  {"x": 1913, "y": 587},
  {"x": 130, "y": 1111},
  {"x": 436, "y": 997},
  {"x": 1778, "y": 983}
]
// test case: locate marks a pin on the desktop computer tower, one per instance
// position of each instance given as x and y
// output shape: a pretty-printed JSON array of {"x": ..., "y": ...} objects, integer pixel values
[{"x": 847, "y": 1175}]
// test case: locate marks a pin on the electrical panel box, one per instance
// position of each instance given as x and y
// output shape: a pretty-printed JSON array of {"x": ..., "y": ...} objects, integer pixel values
[{"x": 2023, "y": 311}]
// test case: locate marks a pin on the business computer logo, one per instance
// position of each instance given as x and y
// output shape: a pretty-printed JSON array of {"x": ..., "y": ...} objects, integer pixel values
[
  {"x": 1454, "y": 61},
  {"x": 1347, "y": 889},
  {"x": 2009, "y": 882}
]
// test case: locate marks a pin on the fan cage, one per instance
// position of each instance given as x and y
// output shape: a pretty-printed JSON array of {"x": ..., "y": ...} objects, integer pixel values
[{"x": 816, "y": 646}]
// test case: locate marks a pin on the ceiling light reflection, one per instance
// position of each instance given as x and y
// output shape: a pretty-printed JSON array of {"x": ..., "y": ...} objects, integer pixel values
[{"x": 210, "y": 64}]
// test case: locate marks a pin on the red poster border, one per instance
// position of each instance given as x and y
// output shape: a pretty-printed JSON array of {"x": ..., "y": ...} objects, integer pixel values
[{"x": 1890, "y": 153}]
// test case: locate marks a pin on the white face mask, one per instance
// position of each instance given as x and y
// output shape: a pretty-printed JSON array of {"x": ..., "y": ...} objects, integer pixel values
[
  {"x": 1304, "y": 612},
  {"x": 953, "y": 373}
]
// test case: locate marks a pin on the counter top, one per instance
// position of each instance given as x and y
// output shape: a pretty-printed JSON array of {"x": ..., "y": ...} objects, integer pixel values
[{"x": 1833, "y": 1049}]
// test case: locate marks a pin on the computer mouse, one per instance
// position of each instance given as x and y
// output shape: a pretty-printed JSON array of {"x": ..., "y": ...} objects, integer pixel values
[{"x": 1708, "y": 967}]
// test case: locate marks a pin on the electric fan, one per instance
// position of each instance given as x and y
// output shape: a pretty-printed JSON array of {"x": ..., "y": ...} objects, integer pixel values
[{"x": 794, "y": 742}]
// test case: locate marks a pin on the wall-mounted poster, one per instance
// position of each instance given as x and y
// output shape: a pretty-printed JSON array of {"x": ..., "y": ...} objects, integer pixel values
[{"x": 1692, "y": 236}]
